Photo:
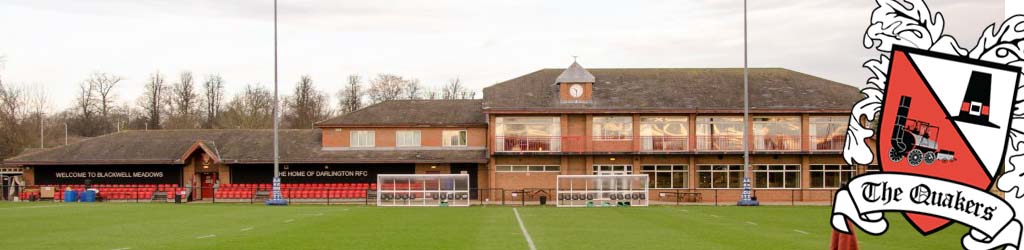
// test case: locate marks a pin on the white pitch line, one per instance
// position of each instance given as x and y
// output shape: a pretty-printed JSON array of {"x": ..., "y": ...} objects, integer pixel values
[
  {"x": 522, "y": 227},
  {"x": 684, "y": 210},
  {"x": 288, "y": 221},
  {"x": 752, "y": 223},
  {"x": 799, "y": 231},
  {"x": 716, "y": 216},
  {"x": 245, "y": 229},
  {"x": 206, "y": 236},
  {"x": 123, "y": 248},
  {"x": 316, "y": 214}
]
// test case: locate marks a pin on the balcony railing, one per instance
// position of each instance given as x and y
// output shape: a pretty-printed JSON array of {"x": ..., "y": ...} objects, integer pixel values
[
  {"x": 717, "y": 143},
  {"x": 776, "y": 143},
  {"x": 538, "y": 144},
  {"x": 827, "y": 143},
  {"x": 664, "y": 143}
]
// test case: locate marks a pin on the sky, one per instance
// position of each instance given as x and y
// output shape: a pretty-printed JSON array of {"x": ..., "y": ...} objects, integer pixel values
[{"x": 55, "y": 44}]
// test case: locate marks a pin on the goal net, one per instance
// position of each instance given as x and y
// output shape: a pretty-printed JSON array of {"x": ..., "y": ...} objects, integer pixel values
[
  {"x": 422, "y": 190},
  {"x": 601, "y": 190}
]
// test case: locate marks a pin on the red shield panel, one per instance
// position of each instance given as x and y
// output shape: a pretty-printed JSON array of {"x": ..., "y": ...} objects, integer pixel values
[{"x": 946, "y": 117}]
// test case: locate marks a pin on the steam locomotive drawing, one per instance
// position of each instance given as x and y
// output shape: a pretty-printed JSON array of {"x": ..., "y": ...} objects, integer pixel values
[{"x": 915, "y": 140}]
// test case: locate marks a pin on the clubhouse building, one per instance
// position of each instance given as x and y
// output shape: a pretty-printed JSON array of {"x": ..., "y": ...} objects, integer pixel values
[{"x": 682, "y": 127}]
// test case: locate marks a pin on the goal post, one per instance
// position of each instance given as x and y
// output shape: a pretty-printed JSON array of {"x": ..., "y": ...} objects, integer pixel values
[
  {"x": 423, "y": 190},
  {"x": 601, "y": 190}
]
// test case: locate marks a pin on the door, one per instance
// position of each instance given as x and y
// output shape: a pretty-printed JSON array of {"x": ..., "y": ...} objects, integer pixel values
[
  {"x": 471, "y": 169},
  {"x": 612, "y": 184},
  {"x": 206, "y": 183}
]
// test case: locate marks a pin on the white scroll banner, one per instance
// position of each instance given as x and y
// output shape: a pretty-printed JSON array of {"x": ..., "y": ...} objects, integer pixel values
[{"x": 991, "y": 219}]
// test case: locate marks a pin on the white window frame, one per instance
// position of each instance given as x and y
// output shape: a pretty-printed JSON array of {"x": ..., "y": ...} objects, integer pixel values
[
  {"x": 772, "y": 172},
  {"x": 446, "y": 139},
  {"x": 714, "y": 172},
  {"x": 843, "y": 168},
  {"x": 408, "y": 138},
  {"x": 673, "y": 169},
  {"x": 358, "y": 138},
  {"x": 527, "y": 168}
]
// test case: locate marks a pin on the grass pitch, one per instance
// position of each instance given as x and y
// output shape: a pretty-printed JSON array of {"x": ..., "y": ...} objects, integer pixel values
[{"x": 242, "y": 226}]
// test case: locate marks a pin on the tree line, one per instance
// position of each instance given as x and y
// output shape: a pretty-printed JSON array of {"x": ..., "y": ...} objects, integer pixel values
[{"x": 187, "y": 101}]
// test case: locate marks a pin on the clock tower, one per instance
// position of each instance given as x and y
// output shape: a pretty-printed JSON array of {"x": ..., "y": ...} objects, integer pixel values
[{"x": 575, "y": 85}]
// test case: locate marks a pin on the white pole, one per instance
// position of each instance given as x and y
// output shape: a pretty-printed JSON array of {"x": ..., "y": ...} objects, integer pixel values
[
  {"x": 65, "y": 133},
  {"x": 276, "y": 198},
  {"x": 745, "y": 197}
]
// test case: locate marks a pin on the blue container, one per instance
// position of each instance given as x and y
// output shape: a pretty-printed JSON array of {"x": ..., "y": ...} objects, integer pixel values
[
  {"x": 70, "y": 196},
  {"x": 89, "y": 196}
]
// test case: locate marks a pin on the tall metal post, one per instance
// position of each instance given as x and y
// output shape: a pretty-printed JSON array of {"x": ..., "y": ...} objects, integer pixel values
[
  {"x": 42, "y": 142},
  {"x": 276, "y": 198},
  {"x": 745, "y": 199}
]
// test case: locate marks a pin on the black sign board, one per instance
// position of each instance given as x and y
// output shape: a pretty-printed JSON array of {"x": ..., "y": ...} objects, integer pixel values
[
  {"x": 107, "y": 174},
  {"x": 317, "y": 173}
]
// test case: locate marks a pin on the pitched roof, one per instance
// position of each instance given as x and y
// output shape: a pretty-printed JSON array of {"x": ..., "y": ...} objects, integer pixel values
[
  {"x": 414, "y": 112},
  {"x": 575, "y": 73},
  {"x": 675, "y": 89},
  {"x": 229, "y": 146}
]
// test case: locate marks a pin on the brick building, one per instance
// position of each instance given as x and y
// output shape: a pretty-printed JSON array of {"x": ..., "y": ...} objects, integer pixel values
[{"x": 682, "y": 127}]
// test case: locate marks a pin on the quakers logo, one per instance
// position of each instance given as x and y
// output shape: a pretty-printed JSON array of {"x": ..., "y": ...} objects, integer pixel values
[{"x": 945, "y": 124}]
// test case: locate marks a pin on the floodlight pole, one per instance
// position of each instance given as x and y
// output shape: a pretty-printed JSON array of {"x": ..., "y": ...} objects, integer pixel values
[
  {"x": 276, "y": 198},
  {"x": 745, "y": 199}
]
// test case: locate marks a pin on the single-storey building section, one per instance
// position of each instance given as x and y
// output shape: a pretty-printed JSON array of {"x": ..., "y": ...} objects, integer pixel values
[{"x": 681, "y": 127}]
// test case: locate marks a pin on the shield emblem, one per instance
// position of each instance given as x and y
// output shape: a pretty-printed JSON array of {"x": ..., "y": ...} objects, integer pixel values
[{"x": 947, "y": 117}]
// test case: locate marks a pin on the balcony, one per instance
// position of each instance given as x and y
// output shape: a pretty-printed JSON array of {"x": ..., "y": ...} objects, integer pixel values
[
  {"x": 719, "y": 143},
  {"x": 827, "y": 143},
  {"x": 776, "y": 143},
  {"x": 663, "y": 144}
]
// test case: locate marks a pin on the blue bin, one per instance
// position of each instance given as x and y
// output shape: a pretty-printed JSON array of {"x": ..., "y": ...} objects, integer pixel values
[
  {"x": 70, "y": 196},
  {"x": 89, "y": 196}
]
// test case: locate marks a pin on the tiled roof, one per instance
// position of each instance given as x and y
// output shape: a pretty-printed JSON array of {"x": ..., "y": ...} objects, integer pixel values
[{"x": 414, "y": 112}]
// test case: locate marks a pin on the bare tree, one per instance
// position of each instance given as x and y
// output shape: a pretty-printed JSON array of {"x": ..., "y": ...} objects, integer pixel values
[
  {"x": 11, "y": 111},
  {"x": 306, "y": 106},
  {"x": 386, "y": 87},
  {"x": 351, "y": 96},
  {"x": 253, "y": 108},
  {"x": 213, "y": 95},
  {"x": 183, "y": 102},
  {"x": 103, "y": 86},
  {"x": 413, "y": 90},
  {"x": 152, "y": 101},
  {"x": 455, "y": 90}
]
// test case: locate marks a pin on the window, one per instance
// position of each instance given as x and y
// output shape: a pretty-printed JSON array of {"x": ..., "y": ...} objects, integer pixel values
[
  {"x": 667, "y": 176},
  {"x": 776, "y": 176},
  {"x": 664, "y": 133},
  {"x": 777, "y": 133},
  {"x": 831, "y": 176},
  {"x": 828, "y": 132},
  {"x": 454, "y": 138},
  {"x": 407, "y": 138},
  {"x": 720, "y": 133},
  {"x": 612, "y": 169},
  {"x": 720, "y": 176},
  {"x": 361, "y": 139},
  {"x": 613, "y": 127},
  {"x": 872, "y": 168},
  {"x": 527, "y": 134},
  {"x": 527, "y": 168}
]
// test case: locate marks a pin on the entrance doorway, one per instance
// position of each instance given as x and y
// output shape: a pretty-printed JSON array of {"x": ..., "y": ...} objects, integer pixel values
[
  {"x": 470, "y": 169},
  {"x": 206, "y": 180}
]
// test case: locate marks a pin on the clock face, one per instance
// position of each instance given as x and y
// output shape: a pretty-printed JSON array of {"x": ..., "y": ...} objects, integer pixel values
[{"x": 576, "y": 90}]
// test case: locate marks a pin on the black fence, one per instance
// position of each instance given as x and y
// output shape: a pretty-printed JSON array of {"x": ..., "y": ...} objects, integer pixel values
[{"x": 366, "y": 194}]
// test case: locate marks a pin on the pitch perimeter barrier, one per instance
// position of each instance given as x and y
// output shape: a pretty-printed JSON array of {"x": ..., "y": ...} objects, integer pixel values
[{"x": 353, "y": 194}]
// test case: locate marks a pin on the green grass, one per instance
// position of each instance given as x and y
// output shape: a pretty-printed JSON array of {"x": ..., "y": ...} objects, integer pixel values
[{"x": 243, "y": 226}]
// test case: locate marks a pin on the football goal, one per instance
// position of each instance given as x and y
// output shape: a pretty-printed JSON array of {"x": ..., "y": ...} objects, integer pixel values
[
  {"x": 422, "y": 190},
  {"x": 601, "y": 190}
]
